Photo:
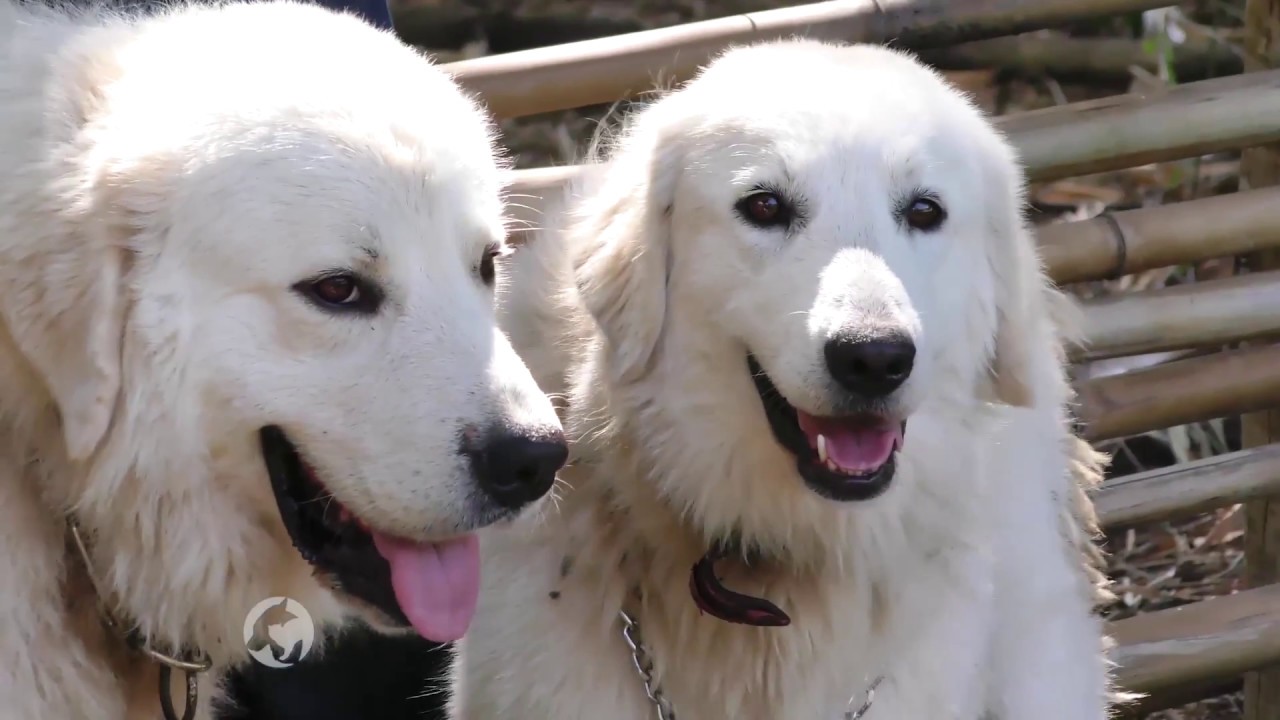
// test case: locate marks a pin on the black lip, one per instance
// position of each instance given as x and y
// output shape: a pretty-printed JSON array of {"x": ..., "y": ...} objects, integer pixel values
[
  {"x": 342, "y": 552},
  {"x": 786, "y": 430}
]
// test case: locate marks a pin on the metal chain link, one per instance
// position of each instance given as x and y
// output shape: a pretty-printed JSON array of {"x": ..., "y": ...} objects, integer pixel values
[
  {"x": 191, "y": 664},
  {"x": 644, "y": 666},
  {"x": 866, "y": 704}
]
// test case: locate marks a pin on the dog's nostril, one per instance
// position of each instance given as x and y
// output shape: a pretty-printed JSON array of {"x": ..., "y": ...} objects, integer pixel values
[
  {"x": 871, "y": 368},
  {"x": 898, "y": 367},
  {"x": 516, "y": 470}
]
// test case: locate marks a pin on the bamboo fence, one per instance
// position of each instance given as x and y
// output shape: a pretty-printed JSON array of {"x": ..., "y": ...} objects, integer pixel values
[{"x": 1176, "y": 655}]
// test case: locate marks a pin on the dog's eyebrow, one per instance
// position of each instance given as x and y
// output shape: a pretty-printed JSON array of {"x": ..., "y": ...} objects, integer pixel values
[{"x": 367, "y": 239}]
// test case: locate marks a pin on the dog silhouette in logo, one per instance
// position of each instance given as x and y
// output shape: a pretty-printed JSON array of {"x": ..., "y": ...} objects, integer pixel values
[{"x": 283, "y": 631}]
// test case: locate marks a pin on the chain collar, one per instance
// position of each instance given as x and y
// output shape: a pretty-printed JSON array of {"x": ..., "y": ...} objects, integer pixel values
[
  {"x": 644, "y": 666},
  {"x": 643, "y": 662},
  {"x": 191, "y": 664}
]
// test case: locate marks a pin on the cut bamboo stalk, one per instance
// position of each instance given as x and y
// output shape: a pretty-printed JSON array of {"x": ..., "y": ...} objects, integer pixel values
[
  {"x": 1182, "y": 490},
  {"x": 1199, "y": 314},
  {"x": 608, "y": 69},
  {"x": 1202, "y": 388},
  {"x": 1159, "y": 236},
  {"x": 1220, "y": 637},
  {"x": 1061, "y": 55},
  {"x": 1106, "y": 134},
  {"x": 1134, "y": 129}
]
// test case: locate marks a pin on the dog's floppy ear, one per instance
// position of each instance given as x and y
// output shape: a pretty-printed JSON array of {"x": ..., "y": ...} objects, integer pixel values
[
  {"x": 66, "y": 316},
  {"x": 1013, "y": 360},
  {"x": 64, "y": 263},
  {"x": 625, "y": 229},
  {"x": 1027, "y": 360}
]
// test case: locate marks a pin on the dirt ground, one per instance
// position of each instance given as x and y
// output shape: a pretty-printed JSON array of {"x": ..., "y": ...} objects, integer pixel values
[{"x": 1154, "y": 567}]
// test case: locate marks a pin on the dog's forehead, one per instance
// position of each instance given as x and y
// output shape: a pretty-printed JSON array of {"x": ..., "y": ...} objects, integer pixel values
[
  {"x": 288, "y": 211},
  {"x": 895, "y": 117},
  {"x": 791, "y": 87},
  {"x": 804, "y": 146}
]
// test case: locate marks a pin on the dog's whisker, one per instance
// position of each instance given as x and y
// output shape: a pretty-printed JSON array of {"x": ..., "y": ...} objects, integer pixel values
[
  {"x": 326, "y": 499},
  {"x": 537, "y": 211}
]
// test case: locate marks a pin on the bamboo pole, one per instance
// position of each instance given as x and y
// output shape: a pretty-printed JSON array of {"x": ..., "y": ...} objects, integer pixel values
[
  {"x": 447, "y": 25},
  {"x": 1160, "y": 236},
  {"x": 1216, "y": 638},
  {"x": 1182, "y": 490},
  {"x": 1133, "y": 129},
  {"x": 1106, "y": 58},
  {"x": 1199, "y": 314},
  {"x": 1180, "y": 392},
  {"x": 1107, "y": 134},
  {"x": 607, "y": 69}
]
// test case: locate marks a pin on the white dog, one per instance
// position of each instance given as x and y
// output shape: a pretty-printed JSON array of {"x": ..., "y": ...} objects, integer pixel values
[
  {"x": 808, "y": 353},
  {"x": 248, "y": 346}
]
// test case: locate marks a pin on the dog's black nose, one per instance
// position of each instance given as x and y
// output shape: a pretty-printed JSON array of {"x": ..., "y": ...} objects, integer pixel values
[
  {"x": 872, "y": 367},
  {"x": 516, "y": 469}
]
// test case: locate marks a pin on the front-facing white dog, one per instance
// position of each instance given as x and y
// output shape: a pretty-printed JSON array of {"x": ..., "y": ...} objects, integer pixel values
[
  {"x": 247, "y": 344},
  {"x": 814, "y": 381}
]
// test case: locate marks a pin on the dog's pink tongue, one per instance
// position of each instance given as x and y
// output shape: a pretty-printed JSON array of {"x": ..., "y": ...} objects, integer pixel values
[
  {"x": 853, "y": 446},
  {"x": 436, "y": 584}
]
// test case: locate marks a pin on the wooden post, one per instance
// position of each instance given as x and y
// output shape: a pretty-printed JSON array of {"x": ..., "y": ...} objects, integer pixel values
[{"x": 1260, "y": 166}]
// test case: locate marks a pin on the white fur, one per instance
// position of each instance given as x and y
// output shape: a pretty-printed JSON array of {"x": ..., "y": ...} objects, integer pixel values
[
  {"x": 965, "y": 584},
  {"x": 164, "y": 182}
]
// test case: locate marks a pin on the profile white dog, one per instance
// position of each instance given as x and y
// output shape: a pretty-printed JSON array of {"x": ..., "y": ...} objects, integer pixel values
[
  {"x": 808, "y": 353},
  {"x": 248, "y": 347}
]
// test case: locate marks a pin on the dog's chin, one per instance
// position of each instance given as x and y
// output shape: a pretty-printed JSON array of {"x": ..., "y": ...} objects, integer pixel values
[{"x": 844, "y": 458}]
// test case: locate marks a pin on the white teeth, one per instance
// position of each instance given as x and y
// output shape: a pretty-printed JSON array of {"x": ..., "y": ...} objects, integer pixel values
[
  {"x": 822, "y": 449},
  {"x": 850, "y": 471}
]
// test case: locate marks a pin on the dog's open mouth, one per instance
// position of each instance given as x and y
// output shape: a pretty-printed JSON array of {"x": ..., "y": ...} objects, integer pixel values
[
  {"x": 841, "y": 458},
  {"x": 432, "y": 587}
]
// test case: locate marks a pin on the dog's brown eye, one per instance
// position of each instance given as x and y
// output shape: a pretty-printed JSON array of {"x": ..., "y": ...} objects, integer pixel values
[
  {"x": 337, "y": 290},
  {"x": 764, "y": 210},
  {"x": 343, "y": 292},
  {"x": 924, "y": 214},
  {"x": 487, "y": 269}
]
